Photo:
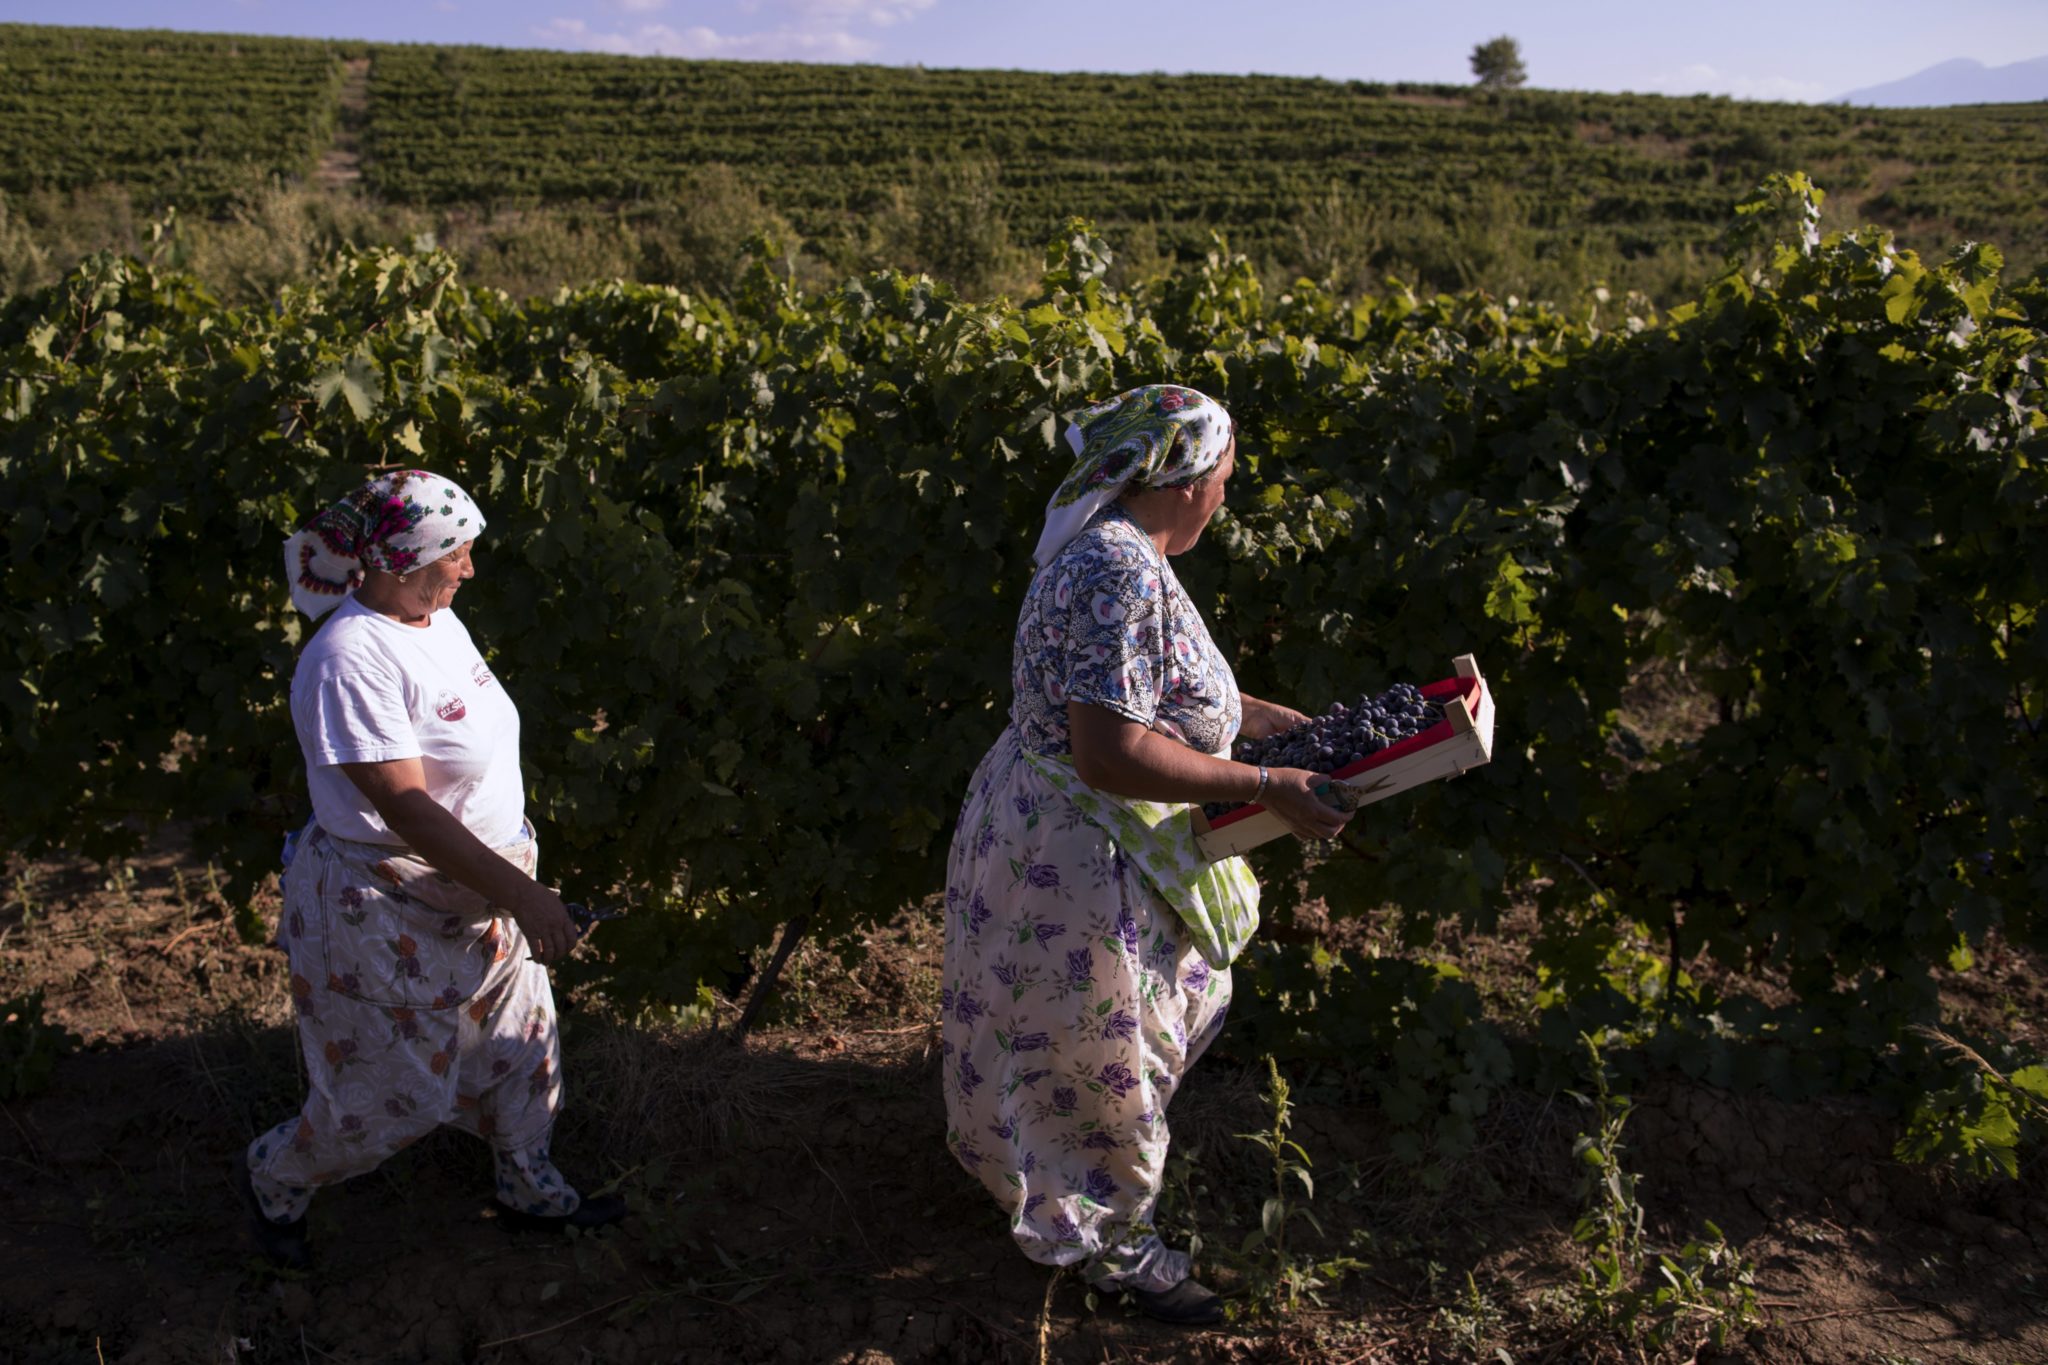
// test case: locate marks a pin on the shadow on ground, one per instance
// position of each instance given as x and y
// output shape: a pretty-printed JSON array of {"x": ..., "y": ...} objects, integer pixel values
[
  {"x": 794, "y": 1201},
  {"x": 800, "y": 1208}
]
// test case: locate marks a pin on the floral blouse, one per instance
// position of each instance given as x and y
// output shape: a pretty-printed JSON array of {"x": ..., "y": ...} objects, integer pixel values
[{"x": 1107, "y": 623}]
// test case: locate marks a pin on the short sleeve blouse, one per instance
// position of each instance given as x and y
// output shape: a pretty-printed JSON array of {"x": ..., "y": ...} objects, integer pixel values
[
  {"x": 1107, "y": 623},
  {"x": 368, "y": 689}
]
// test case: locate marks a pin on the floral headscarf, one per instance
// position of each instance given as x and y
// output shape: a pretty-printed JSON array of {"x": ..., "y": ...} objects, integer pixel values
[
  {"x": 395, "y": 522},
  {"x": 1160, "y": 436}
]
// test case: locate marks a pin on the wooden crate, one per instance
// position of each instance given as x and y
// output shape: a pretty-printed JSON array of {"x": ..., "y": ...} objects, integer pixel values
[{"x": 1463, "y": 739}]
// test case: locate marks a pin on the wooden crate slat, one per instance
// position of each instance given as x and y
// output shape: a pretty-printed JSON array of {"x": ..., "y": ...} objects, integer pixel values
[{"x": 1468, "y": 745}]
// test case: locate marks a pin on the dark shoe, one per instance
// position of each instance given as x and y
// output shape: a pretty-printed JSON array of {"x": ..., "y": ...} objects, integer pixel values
[
  {"x": 596, "y": 1211},
  {"x": 282, "y": 1244},
  {"x": 1188, "y": 1304}
]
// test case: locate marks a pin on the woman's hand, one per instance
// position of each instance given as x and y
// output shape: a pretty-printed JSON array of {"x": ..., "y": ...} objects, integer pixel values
[
  {"x": 546, "y": 924},
  {"x": 397, "y": 787},
  {"x": 1264, "y": 719},
  {"x": 1290, "y": 794}
]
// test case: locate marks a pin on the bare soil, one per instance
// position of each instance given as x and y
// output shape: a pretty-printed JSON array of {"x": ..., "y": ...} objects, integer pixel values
[
  {"x": 341, "y": 165},
  {"x": 794, "y": 1201}
]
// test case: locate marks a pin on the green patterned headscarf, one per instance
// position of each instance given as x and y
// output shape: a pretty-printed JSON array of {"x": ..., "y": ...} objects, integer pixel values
[{"x": 1160, "y": 436}]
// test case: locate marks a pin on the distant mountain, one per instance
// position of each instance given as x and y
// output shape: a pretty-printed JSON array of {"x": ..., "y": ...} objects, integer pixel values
[{"x": 1961, "y": 81}]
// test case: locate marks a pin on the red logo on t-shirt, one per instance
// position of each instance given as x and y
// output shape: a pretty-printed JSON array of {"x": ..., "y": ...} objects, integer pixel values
[
  {"x": 481, "y": 674},
  {"x": 449, "y": 707}
]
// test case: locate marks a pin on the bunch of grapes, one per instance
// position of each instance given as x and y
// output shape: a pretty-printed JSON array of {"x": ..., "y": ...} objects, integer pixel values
[{"x": 1341, "y": 736}]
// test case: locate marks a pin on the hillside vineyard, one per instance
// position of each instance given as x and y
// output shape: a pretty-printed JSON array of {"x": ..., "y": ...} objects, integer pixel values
[
  {"x": 748, "y": 540},
  {"x": 187, "y": 117}
]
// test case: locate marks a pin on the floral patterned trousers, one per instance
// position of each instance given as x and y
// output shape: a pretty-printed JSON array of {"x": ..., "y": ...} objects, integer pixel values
[
  {"x": 1073, "y": 1007},
  {"x": 417, "y": 1006}
]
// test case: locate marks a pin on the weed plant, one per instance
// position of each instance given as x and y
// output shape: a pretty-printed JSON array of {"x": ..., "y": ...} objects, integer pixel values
[
  {"x": 30, "y": 1046},
  {"x": 1705, "y": 1291},
  {"x": 1279, "y": 1278}
]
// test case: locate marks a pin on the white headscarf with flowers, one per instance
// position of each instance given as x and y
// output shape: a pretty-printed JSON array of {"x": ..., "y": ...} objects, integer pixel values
[
  {"x": 1158, "y": 436},
  {"x": 396, "y": 522}
]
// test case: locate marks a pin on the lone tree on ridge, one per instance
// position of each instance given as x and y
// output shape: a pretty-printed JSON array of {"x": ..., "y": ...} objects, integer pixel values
[{"x": 1497, "y": 63}]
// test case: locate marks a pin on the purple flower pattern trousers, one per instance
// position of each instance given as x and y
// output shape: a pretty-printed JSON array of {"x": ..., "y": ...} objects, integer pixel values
[{"x": 1073, "y": 1007}]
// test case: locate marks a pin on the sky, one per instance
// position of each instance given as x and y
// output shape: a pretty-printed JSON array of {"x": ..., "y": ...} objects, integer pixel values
[{"x": 1752, "y": 49}]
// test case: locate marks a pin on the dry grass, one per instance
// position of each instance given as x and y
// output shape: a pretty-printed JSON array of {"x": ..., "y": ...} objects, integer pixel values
[
  {"x": 668, "y": 1092},
  {"x": 1665, "y": 704}
]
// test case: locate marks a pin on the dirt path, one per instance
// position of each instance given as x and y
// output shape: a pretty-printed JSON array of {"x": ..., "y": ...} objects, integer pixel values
[
  {"x": 793, "y": 1201},
  {"x": 341, "y": 164}
]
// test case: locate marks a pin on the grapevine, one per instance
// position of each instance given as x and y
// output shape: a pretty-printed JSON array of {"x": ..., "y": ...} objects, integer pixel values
[{"x": 751, "y": 570}]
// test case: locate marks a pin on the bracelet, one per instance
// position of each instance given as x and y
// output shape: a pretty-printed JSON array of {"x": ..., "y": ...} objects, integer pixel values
[{"x": 1262, "y": 784}]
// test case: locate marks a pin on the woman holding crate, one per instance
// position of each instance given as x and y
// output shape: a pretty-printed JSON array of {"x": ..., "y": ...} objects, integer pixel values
[
  {"x": 1088, "y": 942},
  {"x": 415, "y": 928}
]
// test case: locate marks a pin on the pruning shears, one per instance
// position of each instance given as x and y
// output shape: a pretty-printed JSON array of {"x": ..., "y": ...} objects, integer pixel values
[
  {"x": 586, "y": 916},
  {"x": 1346, "y": 796}
]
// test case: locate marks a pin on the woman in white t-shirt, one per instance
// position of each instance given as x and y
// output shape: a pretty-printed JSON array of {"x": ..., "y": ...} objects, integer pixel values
[{"x": 414, "y": 925}]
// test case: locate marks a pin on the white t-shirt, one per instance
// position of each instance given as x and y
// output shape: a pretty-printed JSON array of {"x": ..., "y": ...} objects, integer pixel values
[{"x": 368, "y": 689}]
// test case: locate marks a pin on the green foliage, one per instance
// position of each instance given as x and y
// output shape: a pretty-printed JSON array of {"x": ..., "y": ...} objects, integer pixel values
[
  {"x": 1414, "y": 1034},
  {"x": 1979, "y": 1119},
  {"x": 30, "y": 1047},
  {"x": 753, "y": 564},
  {"x": 1472, "y": 1323},
  {"x": 951, "y": 222},
  {"x": 1497, "y": 64},
  {"x": 1279, "y": 1279},
  {"x": 190, "y": 116},
  {"x": 700, "y": 241},
  {"x": 1520, "y": 191},
  {"x": 1187, "y": 155},
  {"x": 1703, "y": 1292}
]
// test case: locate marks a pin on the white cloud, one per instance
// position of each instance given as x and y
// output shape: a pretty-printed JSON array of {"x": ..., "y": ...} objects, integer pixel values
[
  {"x": 880, "y": 13},
  {"x": 802, "y": 30},
  {"x": 660, "y": 40},
  {"x": 1698, "y": 78}
]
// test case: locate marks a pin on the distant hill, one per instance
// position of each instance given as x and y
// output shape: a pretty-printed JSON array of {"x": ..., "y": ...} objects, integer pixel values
[
  {"x": 1961, "y": 81},
  {"x": 1438, "y": 183}
]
